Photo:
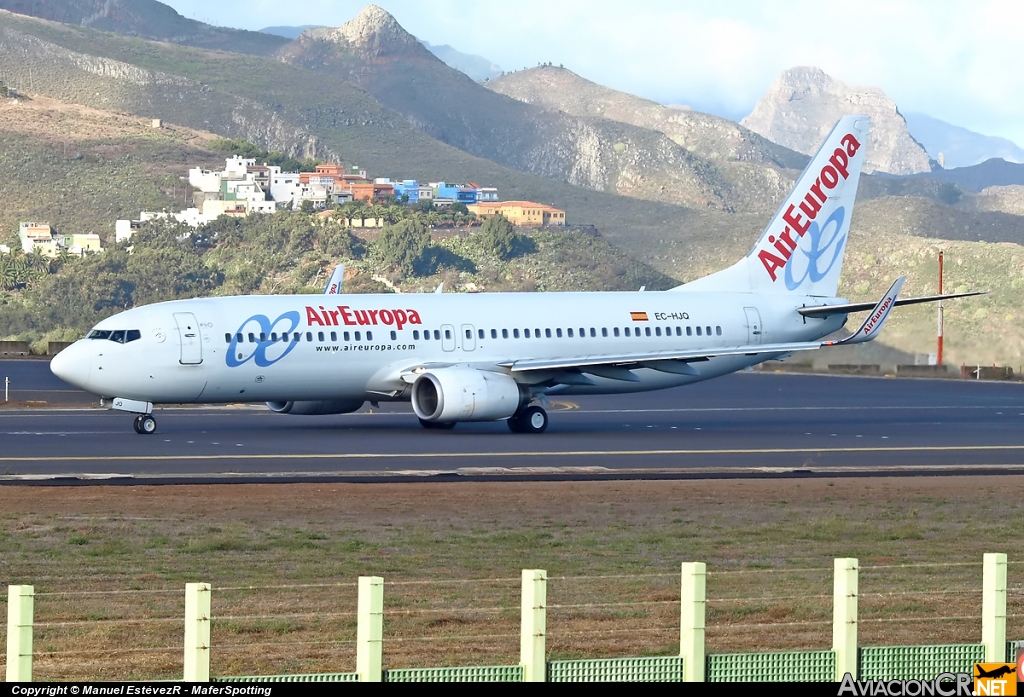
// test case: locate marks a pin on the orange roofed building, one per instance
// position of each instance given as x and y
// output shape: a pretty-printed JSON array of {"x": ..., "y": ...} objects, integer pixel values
[{"x": 520, "y": 213}]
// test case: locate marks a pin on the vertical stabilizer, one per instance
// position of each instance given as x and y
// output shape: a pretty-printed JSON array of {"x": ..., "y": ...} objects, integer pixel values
[
  {"x": 333, "y": 286},
  {"x": 801, "y": 251}
]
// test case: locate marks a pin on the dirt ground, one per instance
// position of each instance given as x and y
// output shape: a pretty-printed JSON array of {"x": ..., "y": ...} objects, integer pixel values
[{"x": 109, "y": 564}]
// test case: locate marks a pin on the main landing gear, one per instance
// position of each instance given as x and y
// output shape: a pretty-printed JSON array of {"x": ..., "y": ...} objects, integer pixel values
[
  {"x": 145, "y": 424},
  {"x": 529, "y": 420}
]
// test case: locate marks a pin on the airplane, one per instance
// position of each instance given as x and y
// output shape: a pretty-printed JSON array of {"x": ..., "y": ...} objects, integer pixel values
[{"x": 491, "y": 356}]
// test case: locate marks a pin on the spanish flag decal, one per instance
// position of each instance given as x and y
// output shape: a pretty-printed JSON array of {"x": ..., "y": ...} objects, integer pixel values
[{"x": 638, "y": 316}]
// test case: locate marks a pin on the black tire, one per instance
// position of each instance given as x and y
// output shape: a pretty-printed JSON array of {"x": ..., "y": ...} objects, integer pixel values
[
  {"x": 147, "y": 424},
  {"x": 136, "y": 426},
  {"x": 514, "y": 424},
  {"x": 437, "y": 425},
  {"x": 533, "y": 420}
]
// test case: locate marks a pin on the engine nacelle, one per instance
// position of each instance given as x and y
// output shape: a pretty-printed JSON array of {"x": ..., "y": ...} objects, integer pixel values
[
  {"x": 464, "y": 394},
  {"x": 316, "y": 408}
]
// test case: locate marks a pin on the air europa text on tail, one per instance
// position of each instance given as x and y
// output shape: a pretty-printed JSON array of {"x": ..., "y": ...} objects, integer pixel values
[{"x": 799, "y": 221}]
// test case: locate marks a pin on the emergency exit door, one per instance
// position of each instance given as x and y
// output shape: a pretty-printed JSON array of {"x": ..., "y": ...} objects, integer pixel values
[{"x": 191, "y": 341}]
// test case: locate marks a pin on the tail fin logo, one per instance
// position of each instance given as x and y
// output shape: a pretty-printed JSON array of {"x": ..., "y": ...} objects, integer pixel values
[{"x": 780, "y": 250}]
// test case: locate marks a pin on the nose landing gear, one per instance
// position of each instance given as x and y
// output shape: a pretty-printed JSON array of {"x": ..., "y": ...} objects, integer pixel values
[{"x": 145, "y": 424}]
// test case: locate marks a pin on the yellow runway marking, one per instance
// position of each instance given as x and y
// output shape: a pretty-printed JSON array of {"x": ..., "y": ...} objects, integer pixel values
[{"x": 540, "y": 453}]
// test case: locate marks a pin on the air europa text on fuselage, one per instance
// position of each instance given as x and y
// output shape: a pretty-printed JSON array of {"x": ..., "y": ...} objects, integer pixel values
[
  {"x": 344, "y": 314},
  {"x": 799, "y": 221}
]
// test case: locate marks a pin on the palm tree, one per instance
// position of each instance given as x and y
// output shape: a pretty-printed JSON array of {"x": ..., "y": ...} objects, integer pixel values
[{"x": 8, "y": 274}]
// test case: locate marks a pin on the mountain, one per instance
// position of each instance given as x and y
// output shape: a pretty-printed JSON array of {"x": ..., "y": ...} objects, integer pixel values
[
  {"x": 288, "y": 32},
  {"x": 375, "y": 53},
  {"x": 477, "y": 67},
  {"x": 752, "y": 165},
  {"x": 803, "y": 104},
  {"x": 147, "y": 19},
  {"x": 995, "y": 172},
  {"x": 958, "y": 146}
]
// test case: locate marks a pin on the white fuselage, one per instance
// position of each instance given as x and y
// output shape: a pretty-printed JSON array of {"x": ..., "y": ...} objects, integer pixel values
[{"x": 338, "y": 347}]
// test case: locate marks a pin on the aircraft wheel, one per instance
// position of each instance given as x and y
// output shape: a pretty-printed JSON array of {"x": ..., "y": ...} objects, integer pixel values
[
  {"x": 533, "y": 420},
  {"x": 514, "y": 424},
  {"x": 437, "y": 425},
  {"x": 147, "y": 424},
  {"x": 135, "y": 424}
]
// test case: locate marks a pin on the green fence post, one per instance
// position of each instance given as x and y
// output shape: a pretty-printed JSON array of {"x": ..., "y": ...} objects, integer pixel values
[
  {"x": 534, "y": 625},
  {"x": 993, "y": 608},
  {"x": 20, "y": 610},
  {"x": 197, "y": 632},
  {"x": 370, "y": 629},
  {"x": 844, "y": 616},
  {"x": 693, "y": 602}
]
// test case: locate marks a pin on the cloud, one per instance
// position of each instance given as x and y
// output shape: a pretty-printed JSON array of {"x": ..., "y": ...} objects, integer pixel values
[{"x": 955, "y": 61}]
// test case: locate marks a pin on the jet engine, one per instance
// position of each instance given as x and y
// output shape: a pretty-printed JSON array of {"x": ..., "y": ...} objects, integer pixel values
[
  {"x": 464, "y": 394},
  {"x": 316, "y": 408}
]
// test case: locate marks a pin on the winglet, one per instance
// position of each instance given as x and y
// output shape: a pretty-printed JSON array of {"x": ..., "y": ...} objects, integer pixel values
[
  {"x": 334, "y": 283},
  {"x": 873, "y": 324}
]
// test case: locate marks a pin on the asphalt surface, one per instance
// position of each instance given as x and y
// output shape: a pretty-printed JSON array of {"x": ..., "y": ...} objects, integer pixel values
[{"x": 739, "y": 425}]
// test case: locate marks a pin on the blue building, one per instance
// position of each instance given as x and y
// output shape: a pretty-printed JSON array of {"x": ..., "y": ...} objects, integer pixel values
[{"x": 407, "y": 187}]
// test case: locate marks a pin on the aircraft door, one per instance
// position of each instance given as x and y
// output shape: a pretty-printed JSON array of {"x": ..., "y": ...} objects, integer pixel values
[
  {"x": 754, "y": 328},
  {"x": 468, "y": 340},
  {"x": 447, "y": 337},
  {"x": 191, "y": 342}
]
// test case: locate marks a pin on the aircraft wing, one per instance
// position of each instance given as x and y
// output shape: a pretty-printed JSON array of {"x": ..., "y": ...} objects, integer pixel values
[{"x": 618, "y": 365}]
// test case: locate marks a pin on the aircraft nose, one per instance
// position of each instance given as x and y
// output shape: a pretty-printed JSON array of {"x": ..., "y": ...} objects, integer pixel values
[{"x": 72, "y": 365}]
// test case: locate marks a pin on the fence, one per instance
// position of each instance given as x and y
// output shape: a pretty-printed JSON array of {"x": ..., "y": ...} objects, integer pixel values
[{"x": 691, "y": 662}]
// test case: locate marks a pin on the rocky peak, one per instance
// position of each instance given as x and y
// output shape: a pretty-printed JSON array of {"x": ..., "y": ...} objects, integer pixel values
[
  {"x": 373, "y": 32},
  {"x": 803, "y": 104}
]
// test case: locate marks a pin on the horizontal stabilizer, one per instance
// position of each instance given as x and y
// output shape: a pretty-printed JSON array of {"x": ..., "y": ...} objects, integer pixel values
[{"x": 830, "y": 310}]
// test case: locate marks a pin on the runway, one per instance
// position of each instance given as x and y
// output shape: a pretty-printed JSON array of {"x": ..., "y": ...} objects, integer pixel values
[{"x": 740, "y": 425}]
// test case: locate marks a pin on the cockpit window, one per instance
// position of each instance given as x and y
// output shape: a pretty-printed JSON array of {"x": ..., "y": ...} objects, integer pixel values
[{"x": 121, "y": 336}]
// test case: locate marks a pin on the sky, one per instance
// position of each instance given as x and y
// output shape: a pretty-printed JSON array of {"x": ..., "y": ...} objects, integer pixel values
[{"x": 956, "y": 61}]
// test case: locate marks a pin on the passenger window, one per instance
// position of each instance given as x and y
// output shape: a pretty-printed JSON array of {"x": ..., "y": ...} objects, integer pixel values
[
  {"x": 480, "y": 333},
  {"x": 592, "y": 332},
  {"x": 345, "y": 336},
  {"x": 536, "y": 333},
  {"x": 239, "y": 337},
  {"x": 227, "y": 338},
  {"x": 569, "y": 330},
  {"x": 320, "y": 336},
  {"x": 657, "y": 331},
  {"x": 426, "y": 335},
  {"x": 469, "y": 334},
  {"x": 297, "y": 336},
  {"x": 394, "y": 335},
  {"x": 679, "y": 331},
  {"x": 708, "y": 330},
  {"x": 309, "y": 336},
  {"x": 689, "y": 331},
  {"x": 647, "y": 331},
  {"x": 494, "y": 333},
  {"x": 604, "y": 331},
  {"x": 415, "y": 334},
  {"x": 447, "y": 333},
  {"x": 273, "y": 336},
  {"x": 526, "y": 334},
  {"x": 357, "y": 334},
  {"x": 252, "y": 338},
  {"x": 515, "y": 333},
  {"x": 334, "y": 336},
  {"x": 135, "y": 335},
  {"x": 558, "y": 333},
  {"x": 547, "y": 333},
  {"x": 504, "y": 333},
  {"x": 615, "y": 331},
  {"x": 718, "y": 331},
  {"x": 437, "y": 335},
  {"x": 263, "y": 337},
  {"x": 369, "y": 336},
  {"x": 698, "y": 331}
]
